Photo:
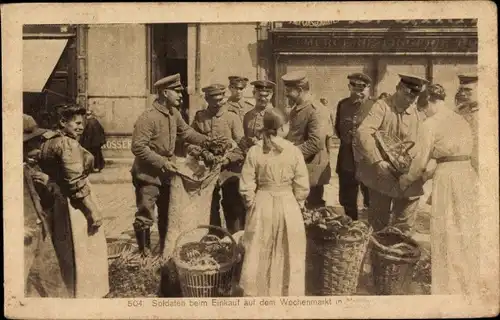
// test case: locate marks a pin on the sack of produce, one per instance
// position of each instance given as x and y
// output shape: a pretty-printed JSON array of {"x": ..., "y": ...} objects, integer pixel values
[
  {"x": 393, "y": 257},
  {"x": 422, "y": 273},
  {"x": 336, "y": 246},
  {"x": 192, "y": 187},
  {"x": 206, "y": 266},
  {"x": 394, "y": 151}
]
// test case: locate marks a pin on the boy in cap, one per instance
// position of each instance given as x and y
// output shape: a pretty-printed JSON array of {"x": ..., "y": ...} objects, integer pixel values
[
  {"x": 467, "y": 106},
  {"x": 307, "y": 132},
  {"x": 253, "y": 121},
  {"x": 350, "y": 113},
  {"x": 42, "y": 272},
  {"x": 397, "y": 116},
  {"x": 217, "y": 121},
  {"x": 153, "y": 144},
  {"x": 236, "y": 102}
]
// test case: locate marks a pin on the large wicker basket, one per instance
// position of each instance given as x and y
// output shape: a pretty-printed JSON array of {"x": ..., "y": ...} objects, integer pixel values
[
  {"x": 213, "y": 282},
  {"x": 334, "y": 264},
  {"x": 394, "y": 151},
  {"x": 392, "y": 270}
]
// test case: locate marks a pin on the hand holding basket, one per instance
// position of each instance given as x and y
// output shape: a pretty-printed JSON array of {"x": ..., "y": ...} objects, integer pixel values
[{"x": 394, "y": 151}]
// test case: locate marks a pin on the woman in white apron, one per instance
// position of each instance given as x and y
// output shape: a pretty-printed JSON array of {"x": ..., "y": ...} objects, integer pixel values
[
  {"x": 446, "y": 138},
  {"x": 274, "y": 180},
  {"x": 75, "y": 219}
]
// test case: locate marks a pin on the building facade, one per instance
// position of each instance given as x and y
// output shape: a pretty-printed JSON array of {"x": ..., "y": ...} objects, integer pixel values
[{"x": 111, "y": 68}]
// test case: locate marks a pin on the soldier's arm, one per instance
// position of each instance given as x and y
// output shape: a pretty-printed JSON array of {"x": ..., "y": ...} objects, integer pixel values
[
  {"x": 364, "y": 140},
  {"x": 315, "y": 136},
  {"x": 337, "y": 120},
  {"x": 187, "y": 133},
  {"x": 141, "y": 137},
  {"x": 195, "y": 125}
]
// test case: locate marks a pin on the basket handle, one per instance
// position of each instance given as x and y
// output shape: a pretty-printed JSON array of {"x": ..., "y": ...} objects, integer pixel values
[
  {"x": 410, "y": 144},
  {"x": 235, "y": 253}
]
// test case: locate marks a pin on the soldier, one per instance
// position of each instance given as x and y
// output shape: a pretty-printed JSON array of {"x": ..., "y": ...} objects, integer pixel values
[
  {"x": 398, "y": 116},
  {"x": 216, "y": 121},
  {"x": 153, "y": 143},
  {"x": 350, "y": 112},
  {"x": 253, "y": 122},
  {"x": 467, "y": 106},
  {"x": 307, "y": 132},
  {"x": 236, "y": 102}
]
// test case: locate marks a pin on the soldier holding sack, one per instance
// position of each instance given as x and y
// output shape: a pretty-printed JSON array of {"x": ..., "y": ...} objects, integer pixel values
[
  {"x": 153, "y": 144},
  {"x": 397, "y": 116}
]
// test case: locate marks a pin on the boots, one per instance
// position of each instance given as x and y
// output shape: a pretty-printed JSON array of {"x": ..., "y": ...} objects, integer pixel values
[
  {"x": 142, "y": 236},
  {"x": 351, "y": 212}
]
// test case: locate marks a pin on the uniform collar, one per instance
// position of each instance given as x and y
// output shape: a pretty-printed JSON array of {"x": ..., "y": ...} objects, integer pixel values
[
  {"x": 219, "y": 113},
  {"x": 468, "y": 107},
  {"x": 408, "y": 110},
  {"x": 162, "y": 108}
]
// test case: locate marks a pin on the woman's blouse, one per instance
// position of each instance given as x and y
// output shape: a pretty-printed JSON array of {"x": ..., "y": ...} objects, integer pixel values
[
  {"x": 68, "y": 164},
  {"x": 444, "y": 134},
  {"x": 281, "y": 170}
]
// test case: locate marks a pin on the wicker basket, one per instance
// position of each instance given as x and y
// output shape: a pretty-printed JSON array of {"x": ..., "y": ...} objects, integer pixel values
[
  {"x": 116, "y": 247},
  {"x": 214, "y": 282},
  {"x": 392, "y": 270},
  {"x": 394, "y": 151},
  {"x": 334, "y": 264}
]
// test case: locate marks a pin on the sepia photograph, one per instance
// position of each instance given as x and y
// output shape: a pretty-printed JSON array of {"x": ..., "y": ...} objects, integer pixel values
[{"x": 254, "y": 164}]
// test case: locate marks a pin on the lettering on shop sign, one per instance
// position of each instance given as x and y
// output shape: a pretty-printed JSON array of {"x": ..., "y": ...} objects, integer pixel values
[
  {"x": 378, "y": 23},
  {"x": 328, "y": 43},
  {"x": 118, "y": 143}
]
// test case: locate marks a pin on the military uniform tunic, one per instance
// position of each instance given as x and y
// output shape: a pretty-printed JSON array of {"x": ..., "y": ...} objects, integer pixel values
[
  {"x": 470, "y": 113},
  {"x": 240, "y": 107}
]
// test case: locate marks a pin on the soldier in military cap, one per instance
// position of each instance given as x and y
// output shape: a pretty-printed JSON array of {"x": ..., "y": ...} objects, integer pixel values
[
  {"x": 467, "y": 106},
  {"x": 398, "y": 116},
  {"x": 216, "y": 120},
  {"x": 350, "y": 113},
  {"x": 253, "y": 122},
  {"x": 236, "y": 102},
  {"x": 307, "y": 132},
  {"x": 153, "y": 143}
]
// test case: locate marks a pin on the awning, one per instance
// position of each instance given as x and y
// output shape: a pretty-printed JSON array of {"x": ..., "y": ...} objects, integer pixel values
[{"x": 40, "y": 57}]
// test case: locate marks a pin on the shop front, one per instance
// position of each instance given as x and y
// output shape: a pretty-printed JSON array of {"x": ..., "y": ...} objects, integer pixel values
[{"x": 328, "y": 51}]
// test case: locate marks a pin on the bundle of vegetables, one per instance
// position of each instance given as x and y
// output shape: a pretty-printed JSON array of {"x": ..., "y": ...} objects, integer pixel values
[
  {"x": 203, "y": 256},
  {"x": 211, "y": 152},
  {"x": 326, "y": 223},
  {"x": 422, "y": 273},
  {"x": 132, "y": 275}
]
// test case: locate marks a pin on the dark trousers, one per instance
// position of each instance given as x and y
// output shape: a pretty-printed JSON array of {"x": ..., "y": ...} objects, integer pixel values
[
  {"x": 232, "y": 205},
  {"x": 348, "y": 193},
  {"x": 315, "y": 197},
  {"x": 146, "y": 197},
  {"x": 98, "y": 158},
  {"x": 384, "y": 211}
]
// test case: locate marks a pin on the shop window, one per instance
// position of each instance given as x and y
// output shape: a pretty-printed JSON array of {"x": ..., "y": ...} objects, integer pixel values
[{"x": 169, "y": 55}]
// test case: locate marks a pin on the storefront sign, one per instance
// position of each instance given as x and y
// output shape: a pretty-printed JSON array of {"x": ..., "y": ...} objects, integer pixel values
[
  {"x": 116, "y": 143},
  {"x": 400, "y": 43},
  {"x": 378, "y": 23}
]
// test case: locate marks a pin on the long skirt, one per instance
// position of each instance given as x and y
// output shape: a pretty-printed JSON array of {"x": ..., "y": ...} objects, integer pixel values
[
  {"x": 83, "y": 258},
  {"x": 455, "y": 230},
  {"x": 275, "y": 244}
]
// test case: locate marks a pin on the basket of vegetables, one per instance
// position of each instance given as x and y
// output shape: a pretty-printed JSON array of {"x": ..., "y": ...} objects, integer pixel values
[
  {"x": 394, "y": 151},
  {"x": 336, "y": 246},
  {"x": 393, "y": 257},
  {"x": 206, "y": 267},
  {"x": 422, "y": 273}
]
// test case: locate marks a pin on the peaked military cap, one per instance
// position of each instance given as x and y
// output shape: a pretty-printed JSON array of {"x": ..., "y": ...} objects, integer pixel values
[
  {"x": 413, "y": 83},
  {"x": 359, "y": 79},
  {"x": 237, "y": 80},
  {"x": 169, "y": 82},
  {"x": 214, "y": 89},
  {"x": 295, "y": 78},
  {"x": 467, "y": 79},
  {"x": 263, "y": 85}
]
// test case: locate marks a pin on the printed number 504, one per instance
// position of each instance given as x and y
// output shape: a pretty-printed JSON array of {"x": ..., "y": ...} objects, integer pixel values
[{"x": 135, "y": 303}]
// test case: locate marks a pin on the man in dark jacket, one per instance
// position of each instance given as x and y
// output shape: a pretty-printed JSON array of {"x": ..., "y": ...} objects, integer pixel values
[
  {"x": 42, "y": 272},
  {"x": 350, "y": 112},
  {"x": 93, "y": 138},
  {"x": 153, "y": 144},
  {"x": 308, "y": 133}
]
